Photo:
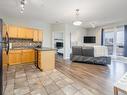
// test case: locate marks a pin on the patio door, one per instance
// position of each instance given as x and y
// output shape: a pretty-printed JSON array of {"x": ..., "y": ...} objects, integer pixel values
[{"x": 114, "y": 40}]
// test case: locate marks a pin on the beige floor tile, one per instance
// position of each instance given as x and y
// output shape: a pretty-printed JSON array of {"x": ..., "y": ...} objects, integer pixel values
[
  {"x": 79, "y": 93},
  {"x": 69, "y": 90},
  {"x": 20, "y": 84},
  {"x": 10, "y": 76},
  {"x": 39, "y": 92},
  {"x": 31, "y": 76},
  {"x": 22, "y": 79},
  {"x": 19, "y": 75},
  {"x": 26, "y": 79},
  {"x": 86, "y": 92},
  {"x": 51, "y": 88},
  {"x": 21, "y": 91},
  {"x": 9, "y": 90},
  {"x": 59, "y": 92},
  {"x": 28, "y": 93},
  {"x": 55, "y": 77},
  {"x": 44, "y": 78},
  {"x": 62, "y": 83},
  {"x": 9, "y": 82},
  {"x": 69, "y": 80},
  {"x": 35, "y": 86},
  {"x": 47, "y": 82},
  {"x": 77, "y": 85},
  {"x": 34, "y": 81}
]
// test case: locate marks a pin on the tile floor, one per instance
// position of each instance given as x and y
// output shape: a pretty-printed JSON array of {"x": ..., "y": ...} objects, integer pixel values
[{"x": 26, "y": 79}]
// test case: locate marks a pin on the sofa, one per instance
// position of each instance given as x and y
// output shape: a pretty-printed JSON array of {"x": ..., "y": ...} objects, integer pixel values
[{"x": 92, "y": 55}]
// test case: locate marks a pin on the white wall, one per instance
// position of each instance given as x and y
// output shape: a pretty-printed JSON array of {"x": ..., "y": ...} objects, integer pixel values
[
  {"x": 76, "y": 37},
  {"x": 95, "y": 32},
  {"x": 39, "y": 25},
  {"x": 57, "y": 32},
  {"x": 72, "y": 35}
]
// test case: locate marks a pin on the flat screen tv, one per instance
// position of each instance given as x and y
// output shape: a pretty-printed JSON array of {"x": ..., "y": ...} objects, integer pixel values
[
  {"x": 89, "y": 39},
  {"x": 59, "y": 44}
]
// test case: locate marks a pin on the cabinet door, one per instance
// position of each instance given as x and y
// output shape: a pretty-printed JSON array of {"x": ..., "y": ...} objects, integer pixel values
[
  {"x": 40, "y": 36},
  {"x": 47, "y": 60},
  {"x": 12, "y": 31},
  {"x": 4, "y": 57},
  {"x": 36, "y": 34},
  {"x": 5, "y": 29},
  {"x": 28, "y": 56},
  {"x": 15, "y": 57},
  {"x": 29, "y": 33},
  {"x": 21, "y": 32}
]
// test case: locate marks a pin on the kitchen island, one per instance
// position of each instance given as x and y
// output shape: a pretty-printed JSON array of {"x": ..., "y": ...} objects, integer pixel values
[{"x": 45, "y": 58}]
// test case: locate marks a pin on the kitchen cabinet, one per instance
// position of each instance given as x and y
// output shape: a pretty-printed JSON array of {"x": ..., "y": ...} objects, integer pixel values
[
  {"x": 46, "y": 60},
  {"x": 4, "y": 30},
  {"x": 21, "y": 32},
  {"x": 4, "y": 57},
  {"x": 29, "y": 33},
  {"x": 12, "y": 31},
  {"x": 40, "y": 36},
  {"x": 35, "y": 36},
  {"x": 27, "y": 56},
  {"x": 21, "y": 56},
  {"x": 15, "y": 57},
  {"x": 24, "y": 33}
]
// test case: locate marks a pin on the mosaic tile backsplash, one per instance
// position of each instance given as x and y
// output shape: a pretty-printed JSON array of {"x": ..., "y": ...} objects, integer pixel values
[{"x": 24, "y": 43}]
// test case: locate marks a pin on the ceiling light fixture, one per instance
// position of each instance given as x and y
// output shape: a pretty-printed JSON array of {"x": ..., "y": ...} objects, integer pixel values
[
  {"x": 77, "y": 22},
  {"x": 22, "y": 5}
]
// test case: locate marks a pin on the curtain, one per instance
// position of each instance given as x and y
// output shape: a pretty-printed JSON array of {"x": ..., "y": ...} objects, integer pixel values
[{"x": 125, "y": 41}]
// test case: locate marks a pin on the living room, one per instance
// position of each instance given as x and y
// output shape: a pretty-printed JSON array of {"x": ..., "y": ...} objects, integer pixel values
[{"x": 63, "y": 47}]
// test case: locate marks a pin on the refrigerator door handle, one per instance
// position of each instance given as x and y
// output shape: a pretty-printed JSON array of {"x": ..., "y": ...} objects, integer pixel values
[{"x": 7, "y": 42}]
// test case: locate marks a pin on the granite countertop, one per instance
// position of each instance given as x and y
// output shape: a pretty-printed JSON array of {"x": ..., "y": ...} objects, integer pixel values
[{"x": 44, "y": 49}]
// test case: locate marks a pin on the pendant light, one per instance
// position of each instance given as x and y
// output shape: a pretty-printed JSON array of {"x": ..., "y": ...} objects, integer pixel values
[
  {"x": 77, "y": 22},
  {"x": 22, "y": 5}
]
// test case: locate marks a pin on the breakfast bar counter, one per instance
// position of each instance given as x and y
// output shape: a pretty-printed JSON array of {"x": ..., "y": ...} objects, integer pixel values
[{"x": 45, "y": 58}]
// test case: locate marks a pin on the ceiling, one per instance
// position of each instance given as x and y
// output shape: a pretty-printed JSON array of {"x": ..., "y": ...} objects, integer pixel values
[{"x": 92, "y": 12}]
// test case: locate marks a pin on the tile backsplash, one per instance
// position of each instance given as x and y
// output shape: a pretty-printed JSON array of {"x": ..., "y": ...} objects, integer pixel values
[{"x": 24, "y": 43}]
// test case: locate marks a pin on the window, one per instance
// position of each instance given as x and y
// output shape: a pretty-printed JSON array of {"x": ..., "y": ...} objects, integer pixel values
[{"x": 114, "y": 40}]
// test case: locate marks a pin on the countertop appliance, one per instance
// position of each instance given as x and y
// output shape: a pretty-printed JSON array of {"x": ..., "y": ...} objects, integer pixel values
[{"x": 4, "y": 50}]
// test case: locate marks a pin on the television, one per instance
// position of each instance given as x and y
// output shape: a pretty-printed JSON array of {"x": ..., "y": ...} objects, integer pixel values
[
  {"x": 89, "y": 39},
  {"x": 59, "y": 44}
]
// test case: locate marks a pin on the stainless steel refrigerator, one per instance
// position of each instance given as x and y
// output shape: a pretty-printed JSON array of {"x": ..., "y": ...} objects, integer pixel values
[{"x": 4, "y": 50}]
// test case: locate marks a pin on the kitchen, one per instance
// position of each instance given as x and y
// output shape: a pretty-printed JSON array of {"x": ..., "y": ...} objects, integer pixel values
[{"x": 23, "y": 45}]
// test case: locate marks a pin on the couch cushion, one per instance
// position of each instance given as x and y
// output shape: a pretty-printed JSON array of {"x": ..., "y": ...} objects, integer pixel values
[
  {"x": 100, "y": 51},
  {"x": 77, "y": 50},
  {"x": 88, "y": 51}
]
